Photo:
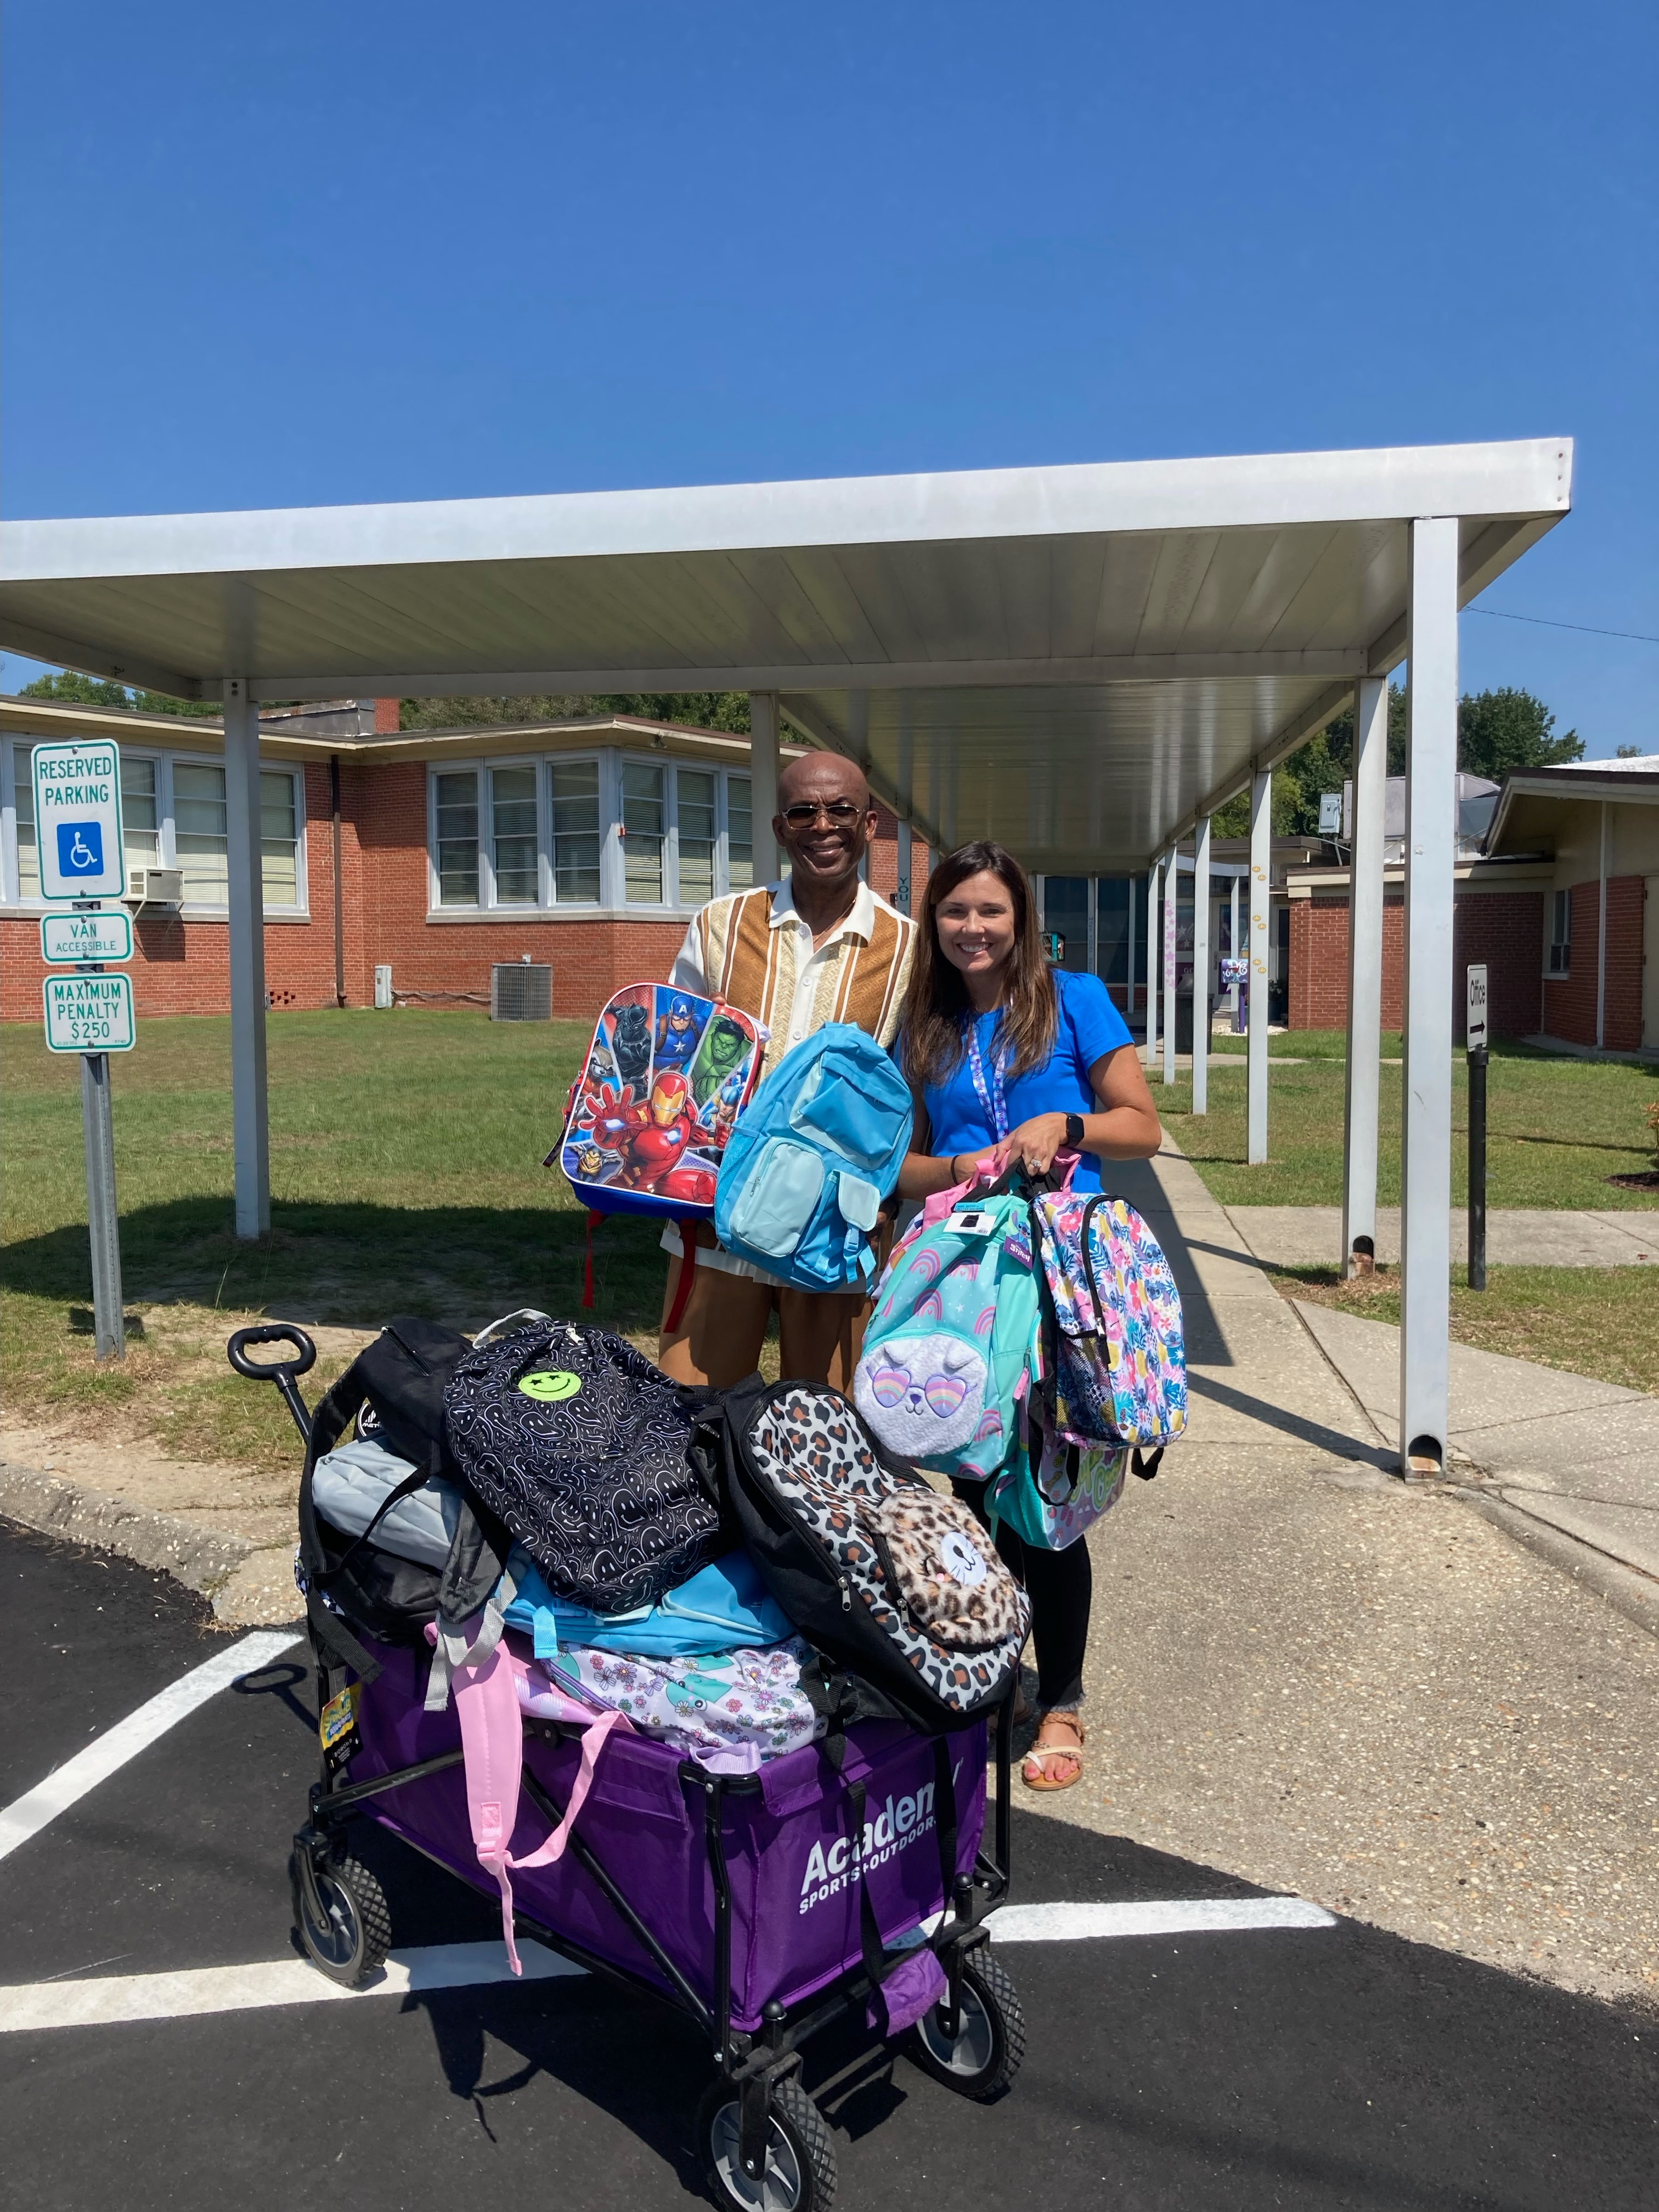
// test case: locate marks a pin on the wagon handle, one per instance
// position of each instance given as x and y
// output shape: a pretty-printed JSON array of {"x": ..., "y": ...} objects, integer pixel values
[{"x": 284, "y": 1373}]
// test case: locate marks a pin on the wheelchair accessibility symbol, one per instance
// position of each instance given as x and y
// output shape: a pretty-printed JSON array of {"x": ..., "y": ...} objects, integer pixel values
[{"x": 81, "y": 849}]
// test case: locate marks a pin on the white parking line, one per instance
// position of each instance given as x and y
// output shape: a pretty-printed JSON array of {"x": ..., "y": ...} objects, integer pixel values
[
  {"x": 29, "y": 1813},
  {"x": 108, "y": 2000}
]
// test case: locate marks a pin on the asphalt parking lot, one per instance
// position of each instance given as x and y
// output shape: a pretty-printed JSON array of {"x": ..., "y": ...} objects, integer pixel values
[{"x": 1238, "y": 2068}]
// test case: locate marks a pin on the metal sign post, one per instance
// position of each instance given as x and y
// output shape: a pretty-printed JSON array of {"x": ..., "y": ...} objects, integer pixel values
[
  {"x": 77, "y": 812},
  {"x": 1475, "y": 1037}
]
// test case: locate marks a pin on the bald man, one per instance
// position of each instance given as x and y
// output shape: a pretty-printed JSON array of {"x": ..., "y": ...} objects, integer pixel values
[{"x": 819, "y": 947}]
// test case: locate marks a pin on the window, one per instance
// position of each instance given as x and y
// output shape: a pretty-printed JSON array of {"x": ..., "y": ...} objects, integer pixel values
[
  {"x": 28, "y": 860},
  {"x": 1113, "y": 908},
  {"x": 456, "y": 808},
  {"x": 279, "y": 837},
  {"x": 1065, "y": 909},
  {"x": 575, "y": 831},
  {"x": 642, "y": 832},
  {"x": 695, "y": 797},
  {"x": 141, "y": 811},
  {"x": 198, "y": 818},
  {"x": 739, "y": 848},
  {"x": 512, "y": 821},
  {"x": 1560, "y": 922}
]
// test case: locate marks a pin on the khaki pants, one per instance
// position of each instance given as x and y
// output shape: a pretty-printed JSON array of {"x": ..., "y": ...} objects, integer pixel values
[{"x": 719, "y": 1338}]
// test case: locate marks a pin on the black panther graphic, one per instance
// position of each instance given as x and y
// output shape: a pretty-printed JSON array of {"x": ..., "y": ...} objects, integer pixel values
[{"x": 630, "y": 1043}]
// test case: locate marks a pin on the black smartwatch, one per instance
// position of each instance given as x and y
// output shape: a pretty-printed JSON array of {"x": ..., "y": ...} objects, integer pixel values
[{"x": 1074, "y": 1131}]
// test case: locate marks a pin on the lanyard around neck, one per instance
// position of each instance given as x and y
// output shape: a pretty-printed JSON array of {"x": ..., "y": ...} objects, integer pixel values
[{"x": 991, "y": 1096}]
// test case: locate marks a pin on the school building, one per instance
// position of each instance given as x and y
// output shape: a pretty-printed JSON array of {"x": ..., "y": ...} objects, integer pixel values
[{"x": 1557, "y": 892}]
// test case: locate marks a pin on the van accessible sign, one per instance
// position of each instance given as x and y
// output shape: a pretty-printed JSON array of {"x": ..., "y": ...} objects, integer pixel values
[
  {"x": 66, "y": 938},
  {"x": 88, "y": 1013},
  {"x": 77, "y": 818}
]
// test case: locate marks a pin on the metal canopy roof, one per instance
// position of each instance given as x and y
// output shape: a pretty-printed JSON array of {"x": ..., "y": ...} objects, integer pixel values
[{"x": 1078, "y": 658}]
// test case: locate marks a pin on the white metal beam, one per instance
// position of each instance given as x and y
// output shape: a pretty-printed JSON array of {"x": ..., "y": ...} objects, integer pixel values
[
  {"x": 1431, "y": 862},
  {"x": 1370, "y": 769},
  {"x": 1261, "y": 863},
  {"x": 763, "y": 782},
  {"x": 1154, "y": 957},
  {"x": 1202, "y": 964},
  {"x": 1172, "y": 927},
  {"x": 245, "y": 860}
]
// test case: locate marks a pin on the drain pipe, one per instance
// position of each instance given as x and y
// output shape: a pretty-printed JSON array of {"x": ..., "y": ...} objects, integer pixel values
[{"x": 339, "y": 907}]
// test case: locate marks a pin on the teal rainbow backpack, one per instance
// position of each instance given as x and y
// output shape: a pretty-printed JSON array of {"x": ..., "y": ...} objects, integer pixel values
[{"x": 950, "y": 1352}]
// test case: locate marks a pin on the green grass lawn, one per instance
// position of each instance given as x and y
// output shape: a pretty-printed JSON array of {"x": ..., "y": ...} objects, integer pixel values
[
  {"x": 1557, "y": 1128},
  {"x": 406, "y": 1177}
]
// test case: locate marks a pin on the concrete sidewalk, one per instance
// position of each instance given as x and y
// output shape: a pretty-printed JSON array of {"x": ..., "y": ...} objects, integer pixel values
[
  {"x": 1311, "y": 1237},
  {"x": 1572, "y": 1454}
]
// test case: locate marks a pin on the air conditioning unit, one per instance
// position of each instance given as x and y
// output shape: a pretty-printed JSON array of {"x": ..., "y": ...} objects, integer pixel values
[
  {"x": 155, "y": 886},
  {"x": 520, "y": 992}
]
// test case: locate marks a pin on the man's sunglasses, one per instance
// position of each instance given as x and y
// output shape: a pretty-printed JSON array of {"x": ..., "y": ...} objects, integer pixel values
[{"x": 839, "y": 813}]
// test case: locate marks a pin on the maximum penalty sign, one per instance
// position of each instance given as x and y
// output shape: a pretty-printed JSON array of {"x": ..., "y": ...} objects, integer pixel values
[{"x": 89, "y": 1013}]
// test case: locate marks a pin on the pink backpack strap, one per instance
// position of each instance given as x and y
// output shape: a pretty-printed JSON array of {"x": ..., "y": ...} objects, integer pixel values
[{"x": 492, "y": 1742}]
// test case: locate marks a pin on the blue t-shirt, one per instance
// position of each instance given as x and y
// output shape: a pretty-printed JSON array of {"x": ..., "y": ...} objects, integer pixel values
[{"x": 1091, "y": 1026}]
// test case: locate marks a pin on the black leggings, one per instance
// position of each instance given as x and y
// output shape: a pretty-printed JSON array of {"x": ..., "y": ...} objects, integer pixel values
[{"x": 1060, "y": 1585}]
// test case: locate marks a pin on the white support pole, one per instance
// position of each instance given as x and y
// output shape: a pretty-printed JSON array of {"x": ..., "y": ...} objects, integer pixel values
[
  {"x": 249, "y": 1113},
  {"x": 902, "y": 897},
  {"x": 1601, "y": 932},
  {"x": 1431, "y": 863},
  {"x": 1171, "y": 920},
  {"x": 1261, "y": 862},
  {"x": 1154, "y": 954},
  {"x": 1201, "y": 968},
  {"x": 1370, "y": 772},
  {"x": 763, "y": 782}
]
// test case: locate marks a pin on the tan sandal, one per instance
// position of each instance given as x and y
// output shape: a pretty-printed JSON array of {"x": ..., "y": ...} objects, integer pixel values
[{"x": 1041, "y": 1752}]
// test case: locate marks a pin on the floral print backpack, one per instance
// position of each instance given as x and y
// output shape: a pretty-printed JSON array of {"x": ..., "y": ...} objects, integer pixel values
[{"x": 1115, "y": 1372}]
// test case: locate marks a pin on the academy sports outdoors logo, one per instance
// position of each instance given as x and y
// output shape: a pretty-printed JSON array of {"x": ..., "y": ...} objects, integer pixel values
[{"x": 900, "y": 1823}]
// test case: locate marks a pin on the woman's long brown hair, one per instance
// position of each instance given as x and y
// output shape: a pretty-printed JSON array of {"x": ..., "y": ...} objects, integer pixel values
[{"x": 933, "y": 1018}]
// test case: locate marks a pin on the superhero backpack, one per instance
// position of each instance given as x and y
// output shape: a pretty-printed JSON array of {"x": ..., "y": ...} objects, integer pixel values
[{"x": 648, "y": 1119}]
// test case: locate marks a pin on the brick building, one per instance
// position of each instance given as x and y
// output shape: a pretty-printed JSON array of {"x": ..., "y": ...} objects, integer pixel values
[
  {"x": 583, "y": 844},
  {"x": 1564, "y": 846}
]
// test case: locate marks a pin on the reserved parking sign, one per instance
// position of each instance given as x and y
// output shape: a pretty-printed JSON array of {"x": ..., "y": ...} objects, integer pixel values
[{"x": 77, "y": 815}]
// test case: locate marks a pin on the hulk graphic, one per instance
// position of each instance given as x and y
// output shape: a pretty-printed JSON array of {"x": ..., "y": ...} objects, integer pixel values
[{"x": 720, "y": 1056}]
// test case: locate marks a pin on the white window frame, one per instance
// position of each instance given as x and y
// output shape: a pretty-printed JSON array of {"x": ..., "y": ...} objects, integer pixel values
[
  {"x": 16, "y": 751},
  {"x": 613, "y": 899}
]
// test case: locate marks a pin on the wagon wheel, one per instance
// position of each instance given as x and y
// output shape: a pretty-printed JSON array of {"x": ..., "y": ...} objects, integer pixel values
[
  {"x": 800, "y": 2159},
  {"x": 982, "y": 2059}
]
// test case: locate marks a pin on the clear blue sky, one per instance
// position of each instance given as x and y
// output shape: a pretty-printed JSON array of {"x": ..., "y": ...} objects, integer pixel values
[{"x": 324, "y": 252}]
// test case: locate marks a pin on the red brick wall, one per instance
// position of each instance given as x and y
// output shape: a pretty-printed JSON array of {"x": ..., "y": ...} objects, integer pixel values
[
  {"x": 1503, "y": 928},
  {"x": 184, "y": 967},
  {"x": 1319, "y": 963},
  {"x": 1569, "y": 1000}
]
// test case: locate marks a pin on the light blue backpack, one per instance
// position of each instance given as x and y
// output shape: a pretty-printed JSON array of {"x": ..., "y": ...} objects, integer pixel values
[{"x": 814, "y": 1153}]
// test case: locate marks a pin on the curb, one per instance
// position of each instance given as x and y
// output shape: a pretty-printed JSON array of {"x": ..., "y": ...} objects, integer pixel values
[
  {"x": 203, "y": 1559},
  {"x": 1626, "y": 1589}
]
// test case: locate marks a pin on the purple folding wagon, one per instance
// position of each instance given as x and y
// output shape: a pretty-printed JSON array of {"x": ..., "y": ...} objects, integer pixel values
[{"x": 765, "y": 1906}]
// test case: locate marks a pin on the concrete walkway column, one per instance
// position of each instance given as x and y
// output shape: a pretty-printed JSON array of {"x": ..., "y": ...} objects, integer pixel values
[
  {"x": 245, "y": 862},
  {"x": 1371, "y": 770},
  {"x": 1201, "y": 966},
  {"x": 1154, "y": 955},
  {"x": 763, "y": 782},
  {"x": 1431, "y": 859},
  {"x": 1261, "y": 863}
]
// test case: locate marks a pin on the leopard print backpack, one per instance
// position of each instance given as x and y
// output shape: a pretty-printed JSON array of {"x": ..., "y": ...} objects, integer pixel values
[{"x": 888, "y": 1579}]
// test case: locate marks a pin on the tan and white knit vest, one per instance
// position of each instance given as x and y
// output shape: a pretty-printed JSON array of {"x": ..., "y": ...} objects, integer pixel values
[{"x": 753, "y": 966}]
